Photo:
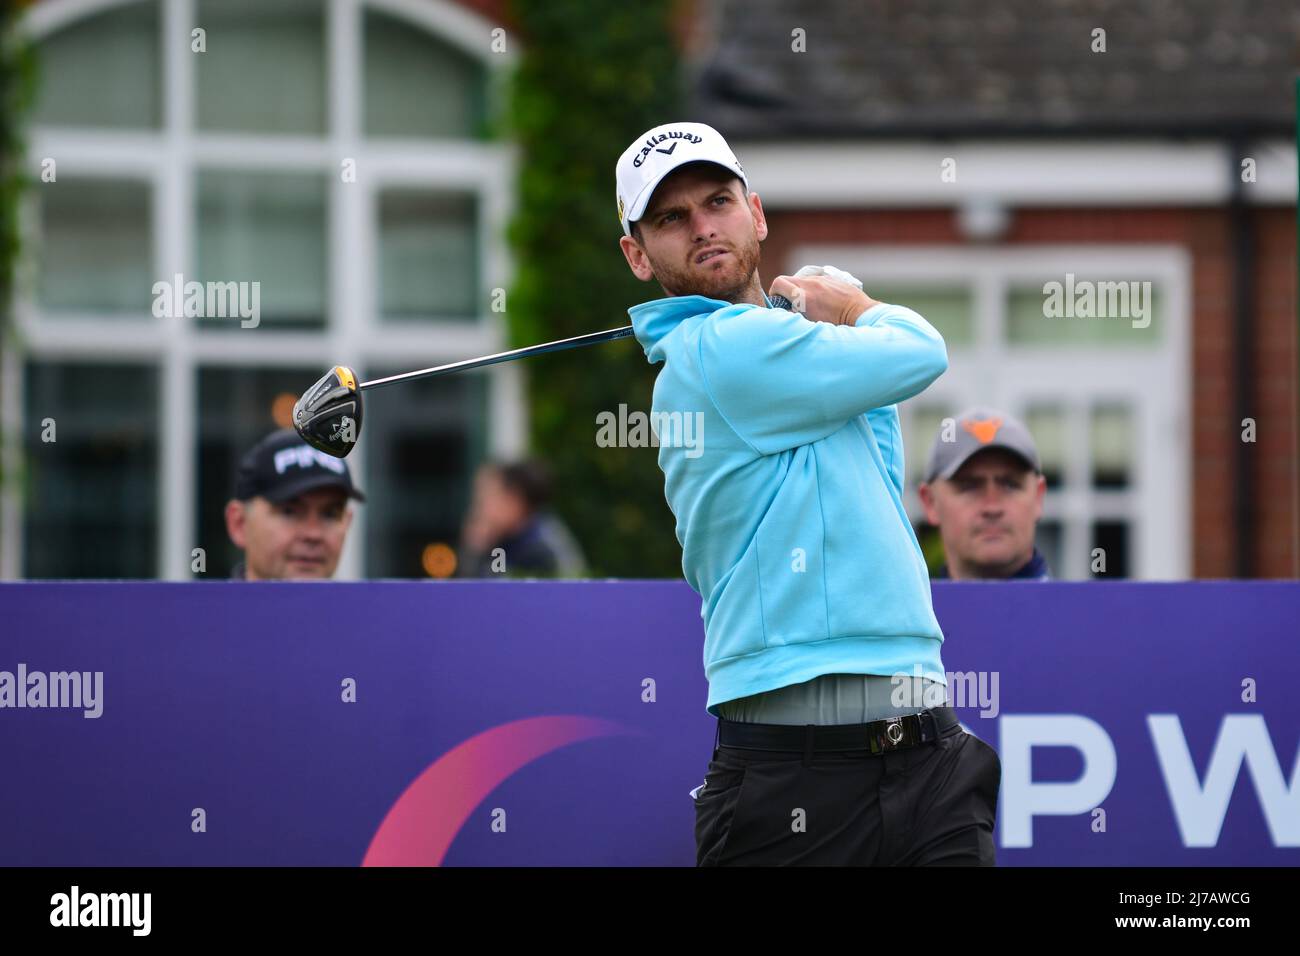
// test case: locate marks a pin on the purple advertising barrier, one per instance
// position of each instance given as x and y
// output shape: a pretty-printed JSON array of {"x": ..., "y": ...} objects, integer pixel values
[{"x": 553, "y": 723}]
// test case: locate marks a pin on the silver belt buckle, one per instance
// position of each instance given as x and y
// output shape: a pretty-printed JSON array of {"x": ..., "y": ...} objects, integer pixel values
[{"x": 894, "y": 731}]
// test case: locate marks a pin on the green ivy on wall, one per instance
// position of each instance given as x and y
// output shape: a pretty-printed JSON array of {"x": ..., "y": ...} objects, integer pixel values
[
  {"x": 17, "y": 84},
  {"x": 591, "y": 78}
]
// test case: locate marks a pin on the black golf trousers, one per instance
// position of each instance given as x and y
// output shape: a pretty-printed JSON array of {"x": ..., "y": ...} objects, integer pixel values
[{"x": 932, "y": 804}]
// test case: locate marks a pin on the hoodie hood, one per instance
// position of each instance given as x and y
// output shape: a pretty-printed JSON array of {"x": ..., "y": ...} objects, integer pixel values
[{"x": 653, "y": 321}]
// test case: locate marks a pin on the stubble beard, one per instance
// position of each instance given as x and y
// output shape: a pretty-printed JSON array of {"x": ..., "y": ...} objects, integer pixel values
[{"x": 727, "y": 284}]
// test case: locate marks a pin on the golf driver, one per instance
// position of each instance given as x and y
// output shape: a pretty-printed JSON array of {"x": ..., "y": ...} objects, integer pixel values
[{"x": 328, "y": 416}]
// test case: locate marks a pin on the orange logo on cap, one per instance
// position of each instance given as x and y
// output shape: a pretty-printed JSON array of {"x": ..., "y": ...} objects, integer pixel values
[{"x": 984, "y": 429}]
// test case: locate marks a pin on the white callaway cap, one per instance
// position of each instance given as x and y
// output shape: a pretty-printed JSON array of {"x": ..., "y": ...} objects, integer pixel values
[{"x": 659, "y": 151}]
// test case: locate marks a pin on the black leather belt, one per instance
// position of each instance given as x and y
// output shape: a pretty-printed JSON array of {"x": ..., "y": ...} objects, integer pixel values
[{"x": 879, "y": 736}]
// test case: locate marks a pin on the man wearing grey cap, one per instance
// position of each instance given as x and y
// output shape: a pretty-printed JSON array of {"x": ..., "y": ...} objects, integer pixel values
[
  {"x": 289, "y": 513},
  {"x": 984, "y": 489}
]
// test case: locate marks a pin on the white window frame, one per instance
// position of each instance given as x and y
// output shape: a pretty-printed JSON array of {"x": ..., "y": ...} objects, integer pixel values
[
  {"x": 169, "y": 159},
  {"x": 1153, "y": 382}
]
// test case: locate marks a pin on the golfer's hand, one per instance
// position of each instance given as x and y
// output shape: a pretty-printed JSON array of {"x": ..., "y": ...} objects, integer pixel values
[{"x": 822, "y": 299}]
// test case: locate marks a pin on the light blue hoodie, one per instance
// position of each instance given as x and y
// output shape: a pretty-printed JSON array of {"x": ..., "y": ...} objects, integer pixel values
[{"x": 789, "y": 492}]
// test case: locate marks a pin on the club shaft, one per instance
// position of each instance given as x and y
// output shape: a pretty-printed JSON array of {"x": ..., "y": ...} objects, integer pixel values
[{"x": 592, "y": 338}]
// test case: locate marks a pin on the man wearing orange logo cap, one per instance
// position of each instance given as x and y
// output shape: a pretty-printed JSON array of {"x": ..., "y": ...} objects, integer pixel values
[{"x": 984, "y": 490}]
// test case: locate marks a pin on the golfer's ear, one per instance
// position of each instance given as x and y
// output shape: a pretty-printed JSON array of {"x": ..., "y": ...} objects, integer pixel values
[
  {"x": 235, "y": 522},
  {"x": 760, "y": 217},
  {"x": 636, "y": 258}
]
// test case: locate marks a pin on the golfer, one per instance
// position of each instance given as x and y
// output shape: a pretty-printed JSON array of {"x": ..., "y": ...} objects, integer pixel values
[{"x": 821, "y": 646}]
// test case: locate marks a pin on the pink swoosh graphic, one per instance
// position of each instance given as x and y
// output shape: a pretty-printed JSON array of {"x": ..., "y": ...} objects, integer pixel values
[{"x": 420, "y": 827}]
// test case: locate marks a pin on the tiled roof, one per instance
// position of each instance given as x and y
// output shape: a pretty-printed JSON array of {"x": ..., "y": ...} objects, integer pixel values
[{"x": 960, "y": 67}]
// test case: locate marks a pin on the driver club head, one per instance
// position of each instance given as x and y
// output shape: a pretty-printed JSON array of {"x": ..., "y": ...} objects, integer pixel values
[{"x": 328, "y": 416}]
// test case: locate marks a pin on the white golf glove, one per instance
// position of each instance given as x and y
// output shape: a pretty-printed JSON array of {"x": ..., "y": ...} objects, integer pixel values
[{"x": 830, "y": 272}]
